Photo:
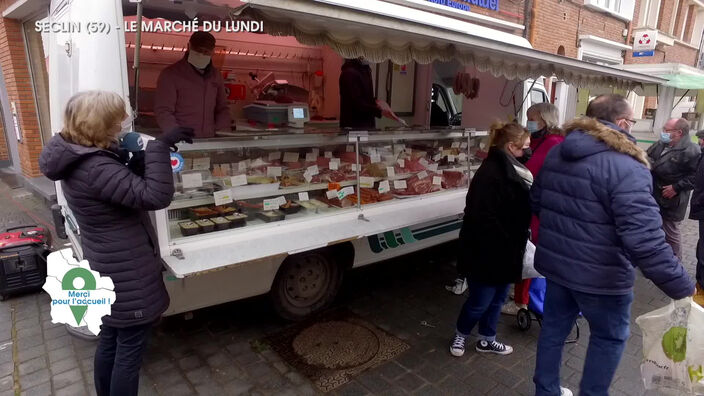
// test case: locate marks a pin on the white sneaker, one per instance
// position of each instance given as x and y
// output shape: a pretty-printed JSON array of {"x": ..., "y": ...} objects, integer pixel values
[
  {"x": 459, "y": 287},
  {"x": 511, "y": 308},
  {"x": 565, "y": 392},
  {"x": 457, "y": 346}
]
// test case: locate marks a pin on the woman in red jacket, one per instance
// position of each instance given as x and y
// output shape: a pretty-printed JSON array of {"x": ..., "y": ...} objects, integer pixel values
[{"x": 543, "y": 124}]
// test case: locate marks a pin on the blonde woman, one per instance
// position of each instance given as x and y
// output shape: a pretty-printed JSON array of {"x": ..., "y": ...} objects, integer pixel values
[
  {"x": 493, "y": 237},
  {"x": 110, "y": 203}
]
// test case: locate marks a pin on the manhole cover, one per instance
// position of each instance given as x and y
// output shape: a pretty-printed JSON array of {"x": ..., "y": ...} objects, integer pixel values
[
  {"x": 336, "y": 345},
  {"x": 332, "y": 349}
]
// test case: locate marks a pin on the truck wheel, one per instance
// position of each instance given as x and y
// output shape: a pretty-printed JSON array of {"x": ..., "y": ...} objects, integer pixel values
[{"x": 305, "y": 283}]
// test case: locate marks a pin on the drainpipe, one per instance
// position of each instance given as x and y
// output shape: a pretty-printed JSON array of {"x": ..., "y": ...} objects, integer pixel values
[
  {"x": 628, "y": 37},
  {"x": 529, "y": 17}
]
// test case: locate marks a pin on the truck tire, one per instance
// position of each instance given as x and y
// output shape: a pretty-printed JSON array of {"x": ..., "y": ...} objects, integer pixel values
[{"x": 305, "y": 284}]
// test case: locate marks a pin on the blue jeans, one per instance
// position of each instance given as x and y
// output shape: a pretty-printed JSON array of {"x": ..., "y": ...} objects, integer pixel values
[
  {"x": 483, "y": 306},
  {"x": 118, "y": 359},
  {"x": 609, "y": 319}
]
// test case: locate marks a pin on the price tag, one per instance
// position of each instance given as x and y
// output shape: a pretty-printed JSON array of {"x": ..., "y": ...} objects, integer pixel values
[
  {"x": 400, "y": 184},
  {"x": 437, "y": 180},
  {"x": 366, "y": 182},
  {"x": 462, "y": 157},
  {"x": 455, "y": 144},
  {"x": 222, "y": 197},
  {"x": 274, "y": 171},
  {"x": 282, "y": 200},
  {"x": 384, "y": 187},
  {"x": 201, "y": 163},
  {"x": 422, "y": 175},
  {"x": 398, "y": 148},
  {"x": 354, "y": 167},
  {"x": 239, "y": 180},
  {"x": 450, "y": 158},
  {"x": 349, "y": 190},
  {"x": 271, "y": 204},
  {"x": 192, "y": 180},
  {"x": 310, "y": 157},
  {"x": 440, "y": 149},
  {"x": 225, "y": 169},
  {"x": 437, "y": 157},
  {"x": 307, "y": 176},
  {"x": 375, "y": 157},
  {"x": 328, "y": 154},
  {"x": 274, "y": 156},
  {"x": 303, "y": 196},
  {"x": 334, "y": 163},
  {"x": 433, "y": 167},
  {"x": 350, "y": 148},
  {"x": 315, "y": 152},
  {"x": 290, "y": 157},
  {"x": 313, "y": 170},
  {"x": 331, "y": 194},
  {"x": 401, "y": 163},
  {"x": 242, "y": 166},
  {"x": 463, "y": 145},
  {"x": 423, "y": 162},
  {"x": 390, "y": 172}
]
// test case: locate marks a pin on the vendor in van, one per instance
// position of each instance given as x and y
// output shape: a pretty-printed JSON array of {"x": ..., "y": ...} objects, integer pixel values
[
  {"x": 191, "y": 92},
  {"x": 358, "y": 108}
]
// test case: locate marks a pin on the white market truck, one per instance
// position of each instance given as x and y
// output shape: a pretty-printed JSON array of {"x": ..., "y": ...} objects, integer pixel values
[{"x": 299, "y": 203}]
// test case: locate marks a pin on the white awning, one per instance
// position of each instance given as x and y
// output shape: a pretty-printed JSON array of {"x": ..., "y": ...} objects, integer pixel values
[{"x": 381, "y": 31}]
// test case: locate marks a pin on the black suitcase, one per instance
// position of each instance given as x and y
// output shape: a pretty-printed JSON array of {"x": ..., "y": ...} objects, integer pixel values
[{"x": 23, "y": 252}]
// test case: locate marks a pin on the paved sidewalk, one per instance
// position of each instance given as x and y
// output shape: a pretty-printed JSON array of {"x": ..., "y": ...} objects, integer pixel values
[{"x": 216, "y": 352}]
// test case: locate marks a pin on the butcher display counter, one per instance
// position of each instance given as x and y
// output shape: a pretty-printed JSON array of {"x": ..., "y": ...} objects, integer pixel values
[{"x": 234, "y": 185}]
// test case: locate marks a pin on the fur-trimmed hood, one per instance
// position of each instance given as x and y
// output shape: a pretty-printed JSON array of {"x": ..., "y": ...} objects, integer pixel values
[{"x": 606, "y": 136}]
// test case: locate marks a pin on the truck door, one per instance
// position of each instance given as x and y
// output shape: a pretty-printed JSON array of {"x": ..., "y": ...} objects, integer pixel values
[{"x": 86, "y": 51}]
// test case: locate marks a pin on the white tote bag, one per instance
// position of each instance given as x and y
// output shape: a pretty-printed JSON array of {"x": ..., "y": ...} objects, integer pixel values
[
  {"x": 673, "y": 348},
  {"x": 529, "y": 271}
]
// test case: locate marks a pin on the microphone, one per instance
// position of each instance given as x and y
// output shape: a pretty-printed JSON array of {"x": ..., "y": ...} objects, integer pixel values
[{"x": 132, "y": 142}]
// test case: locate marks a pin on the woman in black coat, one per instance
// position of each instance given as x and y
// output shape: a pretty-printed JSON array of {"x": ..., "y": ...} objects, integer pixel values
[
  {"x": 493, "y": 236},
  {"x": 110, "y": 204}
]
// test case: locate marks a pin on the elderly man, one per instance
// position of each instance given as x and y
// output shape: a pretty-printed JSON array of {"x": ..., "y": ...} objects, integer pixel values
[
  {"x": 674, "y": 161},
  {"x": 598, "y": 220},
  {"x": 191, "y": 92}
]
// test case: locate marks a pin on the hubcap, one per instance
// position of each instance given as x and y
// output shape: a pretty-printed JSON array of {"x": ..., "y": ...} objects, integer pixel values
[{"x": 307, "y": 280}]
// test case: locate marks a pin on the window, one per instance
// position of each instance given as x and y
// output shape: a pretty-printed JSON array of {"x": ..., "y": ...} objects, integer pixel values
[
  {"x": 622, "y": 9},
  {"x": 537, "y": 97},
  {"x": 649, "y": 12},
  {"x": 698, "y": 29}
]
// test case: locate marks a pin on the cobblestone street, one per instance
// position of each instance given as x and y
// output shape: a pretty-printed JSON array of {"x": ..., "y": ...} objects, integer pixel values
[{"x": 219, "y": 351}]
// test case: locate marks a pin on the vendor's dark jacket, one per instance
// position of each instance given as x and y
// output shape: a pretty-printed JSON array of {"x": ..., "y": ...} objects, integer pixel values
[
  {"x": 598, "y": 217},
  {"x": 358, "y": 107},
  {"x": 496, "y": 221},
  {"x": 110, "y": 204},
  {"x": 677, "y": 167},
  {"x": 696, "y": 205}
]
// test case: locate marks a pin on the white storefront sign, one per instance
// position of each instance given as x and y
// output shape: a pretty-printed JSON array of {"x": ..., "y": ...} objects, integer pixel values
[{"x": 645, "y": 40}]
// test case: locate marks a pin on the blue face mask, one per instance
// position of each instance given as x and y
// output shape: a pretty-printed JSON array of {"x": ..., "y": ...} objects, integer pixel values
[
  {"x": 532, "y": 126},
  {"x": 665, "y": 137}
]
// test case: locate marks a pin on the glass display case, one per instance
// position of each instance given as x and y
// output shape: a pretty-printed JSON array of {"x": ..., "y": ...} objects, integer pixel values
[{"x": 247, "y": 181}]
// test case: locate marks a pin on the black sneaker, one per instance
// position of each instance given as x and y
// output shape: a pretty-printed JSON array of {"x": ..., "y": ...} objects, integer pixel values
[
  {"x": 493, "y": 347},
  {"x": 457, "y": 346}
]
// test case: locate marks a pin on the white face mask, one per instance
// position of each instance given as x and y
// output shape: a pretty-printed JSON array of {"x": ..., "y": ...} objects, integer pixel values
[{"x": 198, "y": 60}]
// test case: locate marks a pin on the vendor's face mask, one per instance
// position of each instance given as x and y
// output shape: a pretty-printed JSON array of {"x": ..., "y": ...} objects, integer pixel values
[{"x": 198, "y": 60}]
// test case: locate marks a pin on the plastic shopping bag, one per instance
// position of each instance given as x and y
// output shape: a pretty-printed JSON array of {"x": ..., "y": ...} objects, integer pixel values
[
  {"x": 529, "y": 271},
  {"x": 673, "y": 348}
]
